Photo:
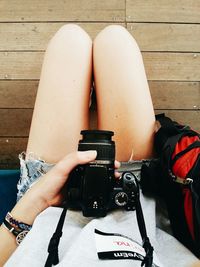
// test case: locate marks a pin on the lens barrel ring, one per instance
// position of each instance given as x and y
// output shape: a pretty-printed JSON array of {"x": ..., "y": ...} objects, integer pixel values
[{"x": 98, "y": 140}]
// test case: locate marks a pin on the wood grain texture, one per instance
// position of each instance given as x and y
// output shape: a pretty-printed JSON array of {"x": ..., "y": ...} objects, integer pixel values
[
  {"x": 62, "y": 10},
  {"x": 18, "y": 94},
  {"x": 165, "y": 94},
  {"x": 159, "y": 66},
  {"x": 191, "y": 118},
  {"x": 166, "y": 36},
  {"x": 172, "y": 66},
  {"x": 10, "y": 149},
  {"x": 150, "y": 36},
  {"x": 186, "y": 11},
  {"x": 175, "y": 95},
  {"x": 35, "y": 36},
  {"x": 20, "y": 65},
  {"x": 16, "y": 122}
]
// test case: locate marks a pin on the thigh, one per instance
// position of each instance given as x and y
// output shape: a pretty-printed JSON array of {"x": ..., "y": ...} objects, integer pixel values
[
  {"x": 124, "y": 102},
  {"x": 61, "y": 106}
]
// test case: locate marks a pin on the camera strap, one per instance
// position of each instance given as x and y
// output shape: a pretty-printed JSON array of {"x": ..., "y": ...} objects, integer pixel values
[
  {"x": 53, "y": 258},
  {"x": 148, "y": 260}
]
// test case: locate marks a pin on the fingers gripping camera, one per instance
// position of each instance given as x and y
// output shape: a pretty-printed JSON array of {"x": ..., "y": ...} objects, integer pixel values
[{"x": 93, "y": 187}]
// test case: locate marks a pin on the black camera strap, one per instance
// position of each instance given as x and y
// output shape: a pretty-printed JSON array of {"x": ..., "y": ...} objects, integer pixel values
[
  {"x": 148, "y": 260},
  {"x": 53, "y": 258}
]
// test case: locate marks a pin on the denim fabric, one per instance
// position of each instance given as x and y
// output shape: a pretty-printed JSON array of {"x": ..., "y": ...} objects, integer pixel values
[{"x": 31, "y": 169}]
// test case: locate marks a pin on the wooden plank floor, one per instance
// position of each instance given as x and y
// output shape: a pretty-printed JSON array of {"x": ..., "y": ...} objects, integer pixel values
[{"x": 168, "y": 33}]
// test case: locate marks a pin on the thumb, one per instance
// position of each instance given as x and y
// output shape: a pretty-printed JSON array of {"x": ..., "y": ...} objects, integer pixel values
[{"x": 69, "y": 162}]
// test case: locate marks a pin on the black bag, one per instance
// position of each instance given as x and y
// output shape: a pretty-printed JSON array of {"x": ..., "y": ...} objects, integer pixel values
[{"x": 175, "y": 176}]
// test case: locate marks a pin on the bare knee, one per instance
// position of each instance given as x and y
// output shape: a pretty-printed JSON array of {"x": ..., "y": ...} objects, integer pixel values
[
  {"x": 114, "y": 35},
  {"x": 72, "y": 29},
  {"x": 71, "y": 33}
]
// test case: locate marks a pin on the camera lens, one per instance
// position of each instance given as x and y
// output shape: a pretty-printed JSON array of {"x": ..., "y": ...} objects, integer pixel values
[{"x": 101, "y": 141}]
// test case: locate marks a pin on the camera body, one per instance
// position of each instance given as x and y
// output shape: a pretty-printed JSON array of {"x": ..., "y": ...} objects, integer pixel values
[{"x": 93, "y": 187}]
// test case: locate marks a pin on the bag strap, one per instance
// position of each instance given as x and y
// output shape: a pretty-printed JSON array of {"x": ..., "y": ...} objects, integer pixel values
[
  {"x": 168, "y": 129},
  {"x": 195, "y": 144},
  {"x": 169, "y": 134},
  {"x": 171, "y": 127},
  {"x": 195, "y": 194}
]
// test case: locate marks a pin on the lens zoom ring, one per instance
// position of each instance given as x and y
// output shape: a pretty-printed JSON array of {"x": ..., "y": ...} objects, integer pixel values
[{"x": 104, "y": 152}]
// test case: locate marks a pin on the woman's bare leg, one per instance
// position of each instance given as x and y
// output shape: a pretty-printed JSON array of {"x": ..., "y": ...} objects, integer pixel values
[
  {"x": 123, "y": 99},
  {"x": 61, "y": 107}
]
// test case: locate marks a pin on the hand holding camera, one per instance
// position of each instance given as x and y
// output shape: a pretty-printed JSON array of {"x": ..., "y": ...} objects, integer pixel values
[
  {"x": 48, "y": 190},
  {"x": 93, "y": 187}
]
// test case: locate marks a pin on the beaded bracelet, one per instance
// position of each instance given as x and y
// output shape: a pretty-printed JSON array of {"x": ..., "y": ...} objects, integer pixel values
[
  {"x": 23, "y": 226},
  {"x": 18, "y": 229}
]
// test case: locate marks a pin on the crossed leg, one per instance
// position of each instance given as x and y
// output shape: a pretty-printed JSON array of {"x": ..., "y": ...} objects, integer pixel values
[{"x": 123, "y": 99}]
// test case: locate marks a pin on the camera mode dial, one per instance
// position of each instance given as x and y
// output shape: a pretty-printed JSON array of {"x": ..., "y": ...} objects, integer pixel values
[{"x": 121, "y": 199}]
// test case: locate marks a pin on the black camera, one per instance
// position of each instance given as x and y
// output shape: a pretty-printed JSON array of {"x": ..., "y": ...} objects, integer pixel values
[{"x": 93, "y": 187}]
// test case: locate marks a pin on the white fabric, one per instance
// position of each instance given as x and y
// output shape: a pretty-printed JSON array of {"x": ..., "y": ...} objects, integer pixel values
[{"x": 77, "y": 245}]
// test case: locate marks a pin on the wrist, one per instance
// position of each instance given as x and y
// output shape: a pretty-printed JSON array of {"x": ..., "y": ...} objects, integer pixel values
[{"x": 28, "y": 207}]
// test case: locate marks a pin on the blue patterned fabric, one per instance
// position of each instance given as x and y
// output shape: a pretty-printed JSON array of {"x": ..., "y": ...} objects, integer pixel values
[
  {"x": 32, "y": 168},
  {"x": 8, "y": 190}
]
